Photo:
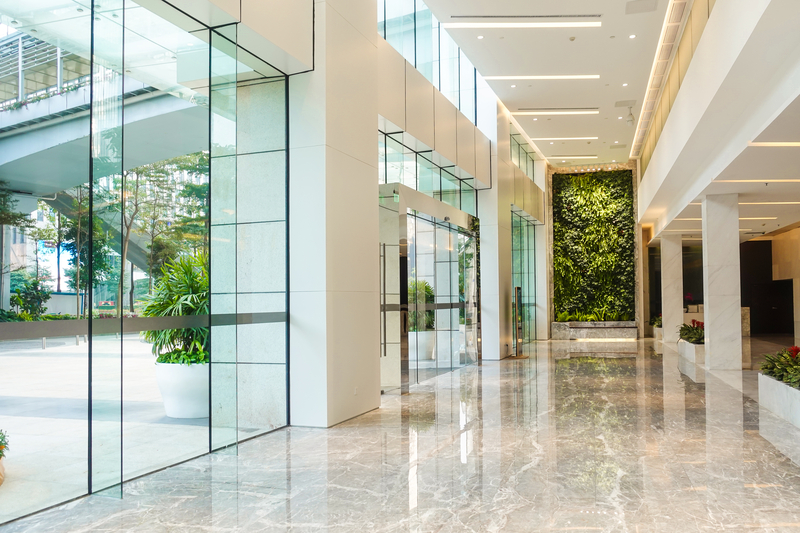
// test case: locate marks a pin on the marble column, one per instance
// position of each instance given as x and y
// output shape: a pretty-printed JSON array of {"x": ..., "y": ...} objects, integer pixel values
[
  {"x": 671, "y": 285},
  {"x": 722, "y": 282}
]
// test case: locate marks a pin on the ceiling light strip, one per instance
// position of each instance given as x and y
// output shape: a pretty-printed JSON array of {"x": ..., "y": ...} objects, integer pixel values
[
  {"x": 565, "y": 139},
  {"x": 539, "y": 113},
  {"x": 784, "y": 144},
  {"x": 517, "y": 25},
  {"x": 545, "y": 77}
]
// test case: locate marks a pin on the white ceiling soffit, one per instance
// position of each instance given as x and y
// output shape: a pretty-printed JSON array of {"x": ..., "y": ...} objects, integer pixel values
[
  {"x": 671, "y": 33},
  {"x": 563, "y": 82}
]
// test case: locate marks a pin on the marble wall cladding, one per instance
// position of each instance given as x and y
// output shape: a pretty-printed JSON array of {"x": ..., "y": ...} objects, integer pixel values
[
  {"x": 671, "y": 286},
  {"x": 560, "y": 331},
  {"x": 786, "y": 255},
  {"x": 721, "y": 282}
]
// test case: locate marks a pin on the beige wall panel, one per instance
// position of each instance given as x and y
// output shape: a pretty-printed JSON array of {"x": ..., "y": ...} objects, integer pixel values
[
  {"x": 391, "y": 84},
  {"x": 280, "y": 32},
  {"x": 698, "y": 25},
  {"x": 466, "y": 144},
  {"x": 419, "y": 106},
  {"x": 711, "y": 6},
  {"x": 674, "y": 83},
  {"x": 786, "y": 255},
  {"x": 685, "y": 52},
  {"x": 445, "y": 127},
  {"x": 483, "y": 159}
]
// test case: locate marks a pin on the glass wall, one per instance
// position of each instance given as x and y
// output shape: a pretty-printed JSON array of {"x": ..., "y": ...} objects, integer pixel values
[
  {"x": 142, "y": 230},
  {"x": 400, "y": 164},
  {"x": 442, "y": 297},
  {"x": 523, "y": 261},
  {"x": 411, "y": 29},
  {"x": 522, "y": 154}
]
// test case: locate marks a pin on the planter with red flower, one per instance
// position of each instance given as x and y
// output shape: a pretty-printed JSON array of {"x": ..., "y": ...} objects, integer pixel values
[
  {"x": 779, "y": 384},
  {"x": 3, "y": 450},
  {"x": 692, "y": 342}
]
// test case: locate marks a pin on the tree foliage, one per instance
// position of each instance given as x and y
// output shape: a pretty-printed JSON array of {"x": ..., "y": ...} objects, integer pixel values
[{"x": 593, "y": 244}]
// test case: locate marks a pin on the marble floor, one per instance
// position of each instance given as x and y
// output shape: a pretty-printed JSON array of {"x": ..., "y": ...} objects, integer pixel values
[{"x": 565, "y": 439}]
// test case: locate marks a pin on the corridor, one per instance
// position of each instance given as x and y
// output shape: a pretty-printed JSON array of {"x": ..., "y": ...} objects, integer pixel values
[{"x": 559, "y": 440}]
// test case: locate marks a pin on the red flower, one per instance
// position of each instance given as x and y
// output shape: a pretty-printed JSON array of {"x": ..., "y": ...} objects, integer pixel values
[{"x": 793, "y": 351}]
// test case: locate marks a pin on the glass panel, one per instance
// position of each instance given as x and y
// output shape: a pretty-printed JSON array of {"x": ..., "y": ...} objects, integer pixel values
[
  {"x": 427, "y": 43},
  {"x": 449, "y": 69},
  {"x": 105, "y": 247},
  {"x": 400, "y": 27},
  {"x": 382, "y": 18},
  {"x": 429, "y": 178},
  {"x": 224, "y": 349},
  {"x": 468, "y": 199},
  {"x": 467, "y": 88},
  {"x": 163, "y": 208},
  {"x": 451, "y": 190}
]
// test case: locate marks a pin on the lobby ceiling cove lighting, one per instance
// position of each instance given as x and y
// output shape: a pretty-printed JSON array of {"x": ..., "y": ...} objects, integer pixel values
[
  {"x": 759, "y": 181},
  {"x": 740, "y": 218},
  {"x": 518, "y": 25},
  {"x": 548, "y": 77},
  {"x": 565, "y": 139},
  {"x": 574, "y": 156},
  {"x": 786, "y": 144},
  {"x": 548, "y": 112}
]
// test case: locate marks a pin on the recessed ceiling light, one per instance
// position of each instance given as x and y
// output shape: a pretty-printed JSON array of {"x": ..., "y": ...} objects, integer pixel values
[
  {"x": 620, "y": 118},
  {"x": 531, "y": 113},
  {"x": 554, "y": 77},
  {"x": 631, "y": 37},
  {"x": 551, "y": 143},
  {"x": 624, "y": 84},
  {"x": 616, "y": 142},
  {"x": 480, "y": 36},
  {"x": 613, "y": 160},
  {"x": 564, "y": 161},
  {"x": 473, "y": 25},
  {"x": 536, "y": 119},
  {"x": 513, "y": 86},
  {"x": 564, "y": 138}
]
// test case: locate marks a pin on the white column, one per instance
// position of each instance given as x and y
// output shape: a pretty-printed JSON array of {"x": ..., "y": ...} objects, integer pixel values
[
  {"x": 722, "y": 282},
  {"x": 671, "y": 285},
  {"x": 334, "y": 237}
]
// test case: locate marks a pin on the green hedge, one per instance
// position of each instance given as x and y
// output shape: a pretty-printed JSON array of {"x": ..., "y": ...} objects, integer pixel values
[{"x": 593, "y": 244}]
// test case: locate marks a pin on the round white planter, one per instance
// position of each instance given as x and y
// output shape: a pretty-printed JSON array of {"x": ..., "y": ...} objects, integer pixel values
[{"x": 184, "y": 389}]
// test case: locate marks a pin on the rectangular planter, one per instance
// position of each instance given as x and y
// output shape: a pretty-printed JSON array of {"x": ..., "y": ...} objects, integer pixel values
[
  {"x": 779, "y": 398},
  {"x": 593, "y": 330},
  {"x": 659, "y": 333},
  {"x": 695, "y": 353}
]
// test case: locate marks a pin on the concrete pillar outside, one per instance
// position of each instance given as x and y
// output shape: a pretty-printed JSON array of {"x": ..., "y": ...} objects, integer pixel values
[
  {"x": 722, "y": 282},
  {"x": 671, "y": 285}
]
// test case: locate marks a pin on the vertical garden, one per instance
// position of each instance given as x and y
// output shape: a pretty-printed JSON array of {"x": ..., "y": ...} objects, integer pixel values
[{"x": 593, "y": 246}]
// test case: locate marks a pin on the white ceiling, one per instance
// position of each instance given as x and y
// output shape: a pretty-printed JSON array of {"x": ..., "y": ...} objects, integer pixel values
[{"x": 606, "y": 51}]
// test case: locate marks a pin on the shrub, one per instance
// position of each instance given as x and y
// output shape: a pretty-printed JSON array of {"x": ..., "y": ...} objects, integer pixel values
[
  {"x": 783, "y": 366},
  {"x": 31, "y": 298},
  {"x": 656, "y": 321},
  {"x": 694, "y": 332},
  {"x": 183, "y": 290},
  {"x": 421, "y": 292},
  {"x": 3, "y": 443}
]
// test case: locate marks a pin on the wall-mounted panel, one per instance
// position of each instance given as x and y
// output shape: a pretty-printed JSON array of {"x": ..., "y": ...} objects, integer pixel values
[
  {"x": 445, "y": 127},
  {"x": 391, "y": 85},
  {"x": 466, "y": 144},
  {"x": 483, "y": 160},
  {"x": 419, "y": 106}
]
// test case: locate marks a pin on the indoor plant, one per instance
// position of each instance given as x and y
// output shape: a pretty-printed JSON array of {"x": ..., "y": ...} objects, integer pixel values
[
  {"x": 778, "y": 384},
  {"x": 692, "y": 341},
  {"x": 657, "y": 322},
  {"x": 182, "y": 354},
  {"x": 3, "y": 450},
  {"x": 421, "y": 324}
]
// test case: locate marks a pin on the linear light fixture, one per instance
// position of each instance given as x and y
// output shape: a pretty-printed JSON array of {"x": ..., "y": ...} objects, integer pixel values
[
  {"x": 758, "y": 181},
  {"x": 774, "y": 144},
  {"x": 769, "y": 203},
  {"x": 540, "y": 113},
  {"x": 565, "y": 139},
  {"x": 740, "y": 218},
  {"x": 545, "y": 77},
  {"x": 517, "y": 25},
  {"x": 574, "y": 156},
  {"x": 694, "y": 230}
]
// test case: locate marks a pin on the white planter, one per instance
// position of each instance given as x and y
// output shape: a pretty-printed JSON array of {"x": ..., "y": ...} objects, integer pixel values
[
  {"x": 422, "y": 344},
  {"x": 2, "y": 472},
  {"x": 184, "y": 389},
  {"x": 779, "y": 398},
  {"x": 695, "y": 353},
  {"x": 659, "y": 333}
]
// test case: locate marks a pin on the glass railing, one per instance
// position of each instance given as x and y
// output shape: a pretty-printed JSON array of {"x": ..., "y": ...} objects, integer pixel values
[
  {"x": 411, "y": 29},
  {"x": 522, "y": 154},
  {"x": 397, "y": 163}
]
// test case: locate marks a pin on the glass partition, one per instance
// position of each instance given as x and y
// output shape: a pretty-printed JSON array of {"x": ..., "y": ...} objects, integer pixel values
[
  {"x": 146, "y": 230},
  {"x": 523, "y": 260}
]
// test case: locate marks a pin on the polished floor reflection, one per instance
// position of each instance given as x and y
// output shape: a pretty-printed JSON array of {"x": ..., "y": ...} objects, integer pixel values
[{"x": 573, "y": 437}]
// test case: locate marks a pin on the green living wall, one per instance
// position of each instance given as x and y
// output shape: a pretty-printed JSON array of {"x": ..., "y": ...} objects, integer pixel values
[{"x": 593, "y": 246}]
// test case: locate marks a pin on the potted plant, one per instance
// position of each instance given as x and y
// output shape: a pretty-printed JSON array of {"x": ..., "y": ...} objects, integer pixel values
[
  {"x": 692, "y": 341},
  {"x": 421, "y": 330},
  {"x": 181, "y": 354},
  {"x": 778, "y": 384},
  {"x": 657, "y": 322},
  {"x": 3, "y": 450}
]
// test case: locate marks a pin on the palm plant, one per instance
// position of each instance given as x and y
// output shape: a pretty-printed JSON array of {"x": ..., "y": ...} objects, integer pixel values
[{"x": 183, "y": 290}]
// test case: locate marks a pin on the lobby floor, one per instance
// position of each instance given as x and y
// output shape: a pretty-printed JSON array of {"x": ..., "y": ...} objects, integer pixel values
[{"x": 562, "y": 440}]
